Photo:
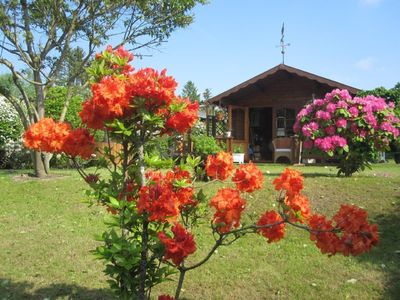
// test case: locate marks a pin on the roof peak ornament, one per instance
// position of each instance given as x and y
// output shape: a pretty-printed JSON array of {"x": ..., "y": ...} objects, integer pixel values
[{"x": 282, "y": 44}]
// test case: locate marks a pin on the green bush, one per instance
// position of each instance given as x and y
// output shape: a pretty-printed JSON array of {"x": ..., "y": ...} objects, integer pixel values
[{"x": 205, "y": 145}]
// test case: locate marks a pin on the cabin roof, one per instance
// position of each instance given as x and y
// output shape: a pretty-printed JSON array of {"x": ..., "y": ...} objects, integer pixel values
[{"x": 281, "y": 67}]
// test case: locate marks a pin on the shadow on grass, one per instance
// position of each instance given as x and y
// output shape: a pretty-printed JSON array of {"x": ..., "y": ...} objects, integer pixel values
[
  {"x": 387, "y": 255},
  {"x": 306, "y": 175},
  {"x": 23, "y": 290}
]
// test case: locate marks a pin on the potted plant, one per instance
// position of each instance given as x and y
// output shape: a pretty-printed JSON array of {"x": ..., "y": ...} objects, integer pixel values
[{"x": 238, "y": 154}]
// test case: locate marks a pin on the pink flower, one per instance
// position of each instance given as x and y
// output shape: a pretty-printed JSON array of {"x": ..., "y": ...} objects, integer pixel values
[
  {"x": 302, "y": 113},
  {"x": 353, "y": 111},
  {"x": 318, "y": 102},
  {"x": 338, "y": 141},
  {"x": 331, "y": 107},
  {"x": 330, "y": 130},
  {"x": 309, "y": 129},
  {"x": 325, "y": 144},
  {"x": 371, "y": 120},
  {"x": 341, "y": 123},
  {"x": 342, "y": 104},
  {"x": 323, "y": 115}
]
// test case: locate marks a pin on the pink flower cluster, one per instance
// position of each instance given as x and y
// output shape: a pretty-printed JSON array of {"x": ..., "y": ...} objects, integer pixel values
[{"x": 338, "y": 120}]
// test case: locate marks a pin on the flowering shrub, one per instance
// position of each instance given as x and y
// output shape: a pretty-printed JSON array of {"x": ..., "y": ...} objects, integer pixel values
[
  {"x": 354, "y": 129},
  {"x": 152, "y": 213}
]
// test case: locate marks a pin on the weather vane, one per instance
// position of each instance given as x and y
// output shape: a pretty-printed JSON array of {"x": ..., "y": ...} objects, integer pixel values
[{"x": 282, "y": 44}]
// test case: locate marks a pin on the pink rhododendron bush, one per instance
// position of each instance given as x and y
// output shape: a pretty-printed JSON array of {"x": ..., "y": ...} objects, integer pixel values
[
  {"x": 153, "y": 213},
  {"x": 353, "y": 129}
]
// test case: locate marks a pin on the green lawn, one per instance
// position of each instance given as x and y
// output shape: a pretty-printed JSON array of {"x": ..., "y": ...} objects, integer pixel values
[{"x": 46, "y": 234}]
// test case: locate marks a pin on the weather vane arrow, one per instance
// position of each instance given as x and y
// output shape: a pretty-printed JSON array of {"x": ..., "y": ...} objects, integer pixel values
[{"x": 282, "y": 43}]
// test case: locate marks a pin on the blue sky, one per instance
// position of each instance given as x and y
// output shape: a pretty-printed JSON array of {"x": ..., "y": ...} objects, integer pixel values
[{"x": 356, "y": 42}]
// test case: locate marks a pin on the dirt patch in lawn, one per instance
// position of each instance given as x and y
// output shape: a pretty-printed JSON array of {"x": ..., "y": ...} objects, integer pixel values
[{"x": 30, "y": 177}]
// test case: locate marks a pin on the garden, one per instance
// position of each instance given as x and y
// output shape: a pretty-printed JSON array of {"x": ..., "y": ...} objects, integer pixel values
[{"x": 112, "y": 188}]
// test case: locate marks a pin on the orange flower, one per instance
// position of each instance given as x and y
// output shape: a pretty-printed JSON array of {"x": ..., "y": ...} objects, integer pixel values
[
  {"x": 248, "y": 178},
  {"x": 358, "y": 235},
  {"x": 273, "y": 233},
  {"x": 219, "y": 166},
  {"x": 110, "y": 100},
  {"x": 47, "y": 135},
  {"x": 229, "y": 207},
  {"x": 185, "y": 195},
  {"x": 300, "y": 207},
  {"x": 159, "y": 202},
  {"x": 79, "y": 143},
  {"x": 180, "y": 246},
  {"x": 184, "y": 119},
  {"x": 157, "y": 88},
  {"x": 322, "y": 233},
  {"x": 290, "y": 180}
]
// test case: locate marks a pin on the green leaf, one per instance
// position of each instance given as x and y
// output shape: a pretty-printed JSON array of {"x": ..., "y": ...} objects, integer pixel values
[{"x": 114, "y": 202}]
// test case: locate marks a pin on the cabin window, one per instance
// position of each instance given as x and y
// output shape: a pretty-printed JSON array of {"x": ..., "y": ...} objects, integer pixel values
[
  {"x": 285, "y": 118},
  {"x": 238, "y": 123}
]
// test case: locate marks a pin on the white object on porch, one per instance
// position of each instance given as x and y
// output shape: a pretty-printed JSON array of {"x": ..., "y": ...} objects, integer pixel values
[{"x": 238, "y": 158}]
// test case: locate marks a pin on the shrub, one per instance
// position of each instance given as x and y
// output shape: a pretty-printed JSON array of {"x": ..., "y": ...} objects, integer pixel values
[
  {"x": 353, "y": 129},
  {"x": 204, "y": 145}
]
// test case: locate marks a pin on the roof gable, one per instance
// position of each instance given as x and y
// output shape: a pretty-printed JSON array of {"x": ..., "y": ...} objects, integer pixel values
[{"x": 274, "y": 70}]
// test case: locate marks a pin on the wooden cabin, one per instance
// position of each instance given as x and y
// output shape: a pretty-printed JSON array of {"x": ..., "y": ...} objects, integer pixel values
[{"x": 262, "y": 111}]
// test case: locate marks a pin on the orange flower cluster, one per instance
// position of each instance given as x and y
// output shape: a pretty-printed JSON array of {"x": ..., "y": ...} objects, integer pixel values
[
  {"x": 117, "y": 97},
  {"x": 79, "y": 142},
  {"x": 180, "y": 246},
  {"x": 56, "y": 137},
  {"x": 351, "y": 235},
  {"x": 156, "y": 87},
  {"x": 161, "y": 199},
  {"x": 229, "y": 206},
  {"x": 219, "y": 166},
  {"x": 274, "y": 229},
  {"x": 183, "y": 120},
  {"x": 298, "y": 206},
  {"x": 47, "y": 135},
  {"x": 290, "y": 180},
  {"x": 110, "y": 100},
  {"x": 248, "y": 178}
]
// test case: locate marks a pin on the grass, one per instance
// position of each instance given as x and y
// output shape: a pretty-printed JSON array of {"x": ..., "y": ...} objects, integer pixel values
[{"x": 46, "y": 234}]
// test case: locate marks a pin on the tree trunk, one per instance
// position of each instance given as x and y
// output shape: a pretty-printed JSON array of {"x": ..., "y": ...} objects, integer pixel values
[
  {"x": 38, "y": 165},
  {"x": 39, "y": 161},
  {"x": 46, "y": 162}
]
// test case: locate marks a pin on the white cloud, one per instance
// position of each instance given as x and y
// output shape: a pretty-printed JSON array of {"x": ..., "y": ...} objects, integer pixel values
[
  {"x": 366, "y": 64},
  {"x": 370, "y": 2}
]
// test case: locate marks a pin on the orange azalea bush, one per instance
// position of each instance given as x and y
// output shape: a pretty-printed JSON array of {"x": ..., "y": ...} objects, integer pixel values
[{"x": 149, "y": 236}]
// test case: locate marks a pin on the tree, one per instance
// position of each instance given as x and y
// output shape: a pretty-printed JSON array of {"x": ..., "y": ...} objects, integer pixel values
[
  {"x": 390, "y": 95},
  {"x": 206, "y": 94},
  {"x": 190, "y": 90},
  {"x": 44, "y": 35}
]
